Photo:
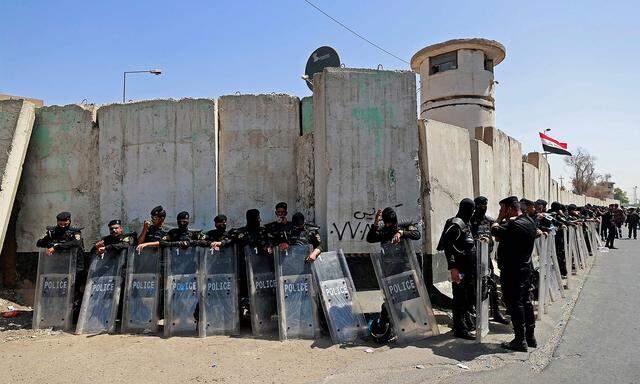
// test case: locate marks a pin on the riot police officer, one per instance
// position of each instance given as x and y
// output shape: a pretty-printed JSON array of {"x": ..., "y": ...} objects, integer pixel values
[
  {"x": 153, "y": 231},
  {"x": 390, "y": 232},
  {"x": 480, "y": 224},
  {"x": 517, "y": 233},
  {"x": 460, "y": 250},
  {"x": 301, "y": 233},
  {"x": 182, "y": 236},
  {"x": 279, "y": 228},
  {"x": 64, "y": 237},
  {"x": 115, "y": 240}
]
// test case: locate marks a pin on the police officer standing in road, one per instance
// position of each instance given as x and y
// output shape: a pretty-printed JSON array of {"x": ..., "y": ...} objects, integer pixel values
[
  {"x": 64, "y": 237},
  {"x": 632, "y": 222},
  {"x": 480, "y": 224},
  {"x": 517, "y": 233},
  {"x": 459, "y": 248}
]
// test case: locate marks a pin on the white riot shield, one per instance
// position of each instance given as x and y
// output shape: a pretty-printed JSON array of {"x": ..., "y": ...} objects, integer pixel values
[
  {"x": 555, "y": 277},
  {"x": 541, "y": 252},
  {"x": 344, "y": 315},
  {"x": 483, "y": 274},
  {"x": 296, "y": 293},
  {"x": 142, "y": 291},
  {"x": 578, "y": 248},
  {"x": 574, "y": 259},
  {"x": 53, "y": 303},
  {"x": 102, "y": 293},
  {"x": 219, "y": 294},
  {"x": 181, "y": 295},
  {"x": 262, "y": 292},
  {"x": 405, "y": 295},
  {"x": 566, "y": 233}
]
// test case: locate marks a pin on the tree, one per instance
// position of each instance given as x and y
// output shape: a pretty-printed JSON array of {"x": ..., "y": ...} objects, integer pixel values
[
  {"x": 621, "y": 195},
  {"x": 584, "y": 171}
]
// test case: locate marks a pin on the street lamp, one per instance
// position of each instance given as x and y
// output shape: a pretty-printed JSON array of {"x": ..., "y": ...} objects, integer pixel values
[
  {"x": 635, "y": 195},
  {"x": 124, "y": 80}
]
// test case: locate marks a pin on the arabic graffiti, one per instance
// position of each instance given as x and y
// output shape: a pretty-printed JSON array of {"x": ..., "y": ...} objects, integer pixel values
[{"x": 358, "y": 228}]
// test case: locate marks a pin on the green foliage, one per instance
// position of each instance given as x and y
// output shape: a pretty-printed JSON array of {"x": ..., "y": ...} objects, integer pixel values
[{"x": 621, "y": 195}]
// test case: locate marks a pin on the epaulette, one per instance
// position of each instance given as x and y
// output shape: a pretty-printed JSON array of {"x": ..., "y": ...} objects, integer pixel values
[{"x": 75, "y": 229}]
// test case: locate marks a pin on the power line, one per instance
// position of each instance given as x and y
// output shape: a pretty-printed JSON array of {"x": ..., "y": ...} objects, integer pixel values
[{"x": 356, "y": 33}]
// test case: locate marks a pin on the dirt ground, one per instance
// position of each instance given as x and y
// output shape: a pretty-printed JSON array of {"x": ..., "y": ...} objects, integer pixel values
[{"x": 28, "y": 356}]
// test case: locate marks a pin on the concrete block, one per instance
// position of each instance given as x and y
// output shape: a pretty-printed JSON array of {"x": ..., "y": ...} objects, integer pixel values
[
  {"x": 61, "y": 173},
  {"x": 16, "y": 124},
  {"x": 257, "y": 167},
  {"x": 539, "y": 161},
  {"x": 530, "y": 182},
  {"x": 499, "y": 143},
  {"x": 366, "y": 152},
  {"x": 515, "y": 167},
  {"x": 553, "y": 193},
  {"x": 305, "y": 173},
  {"x": 482, "y": 170},
  {"x": 445, "y": 160},
  {"x": 160, "y": 152}
]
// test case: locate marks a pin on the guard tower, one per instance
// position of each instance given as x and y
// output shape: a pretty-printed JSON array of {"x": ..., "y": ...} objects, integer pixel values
[{"x": 457, "y": 81}]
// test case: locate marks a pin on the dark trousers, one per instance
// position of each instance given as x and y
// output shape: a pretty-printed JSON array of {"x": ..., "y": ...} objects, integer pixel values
[
  {"x": 517, "y": 293},
  {"x": 463, "y": 301},
  {"x": 560, "y": 253},
  {"x": 633, "y": 228},
  {"x": 611, "y": 235}
]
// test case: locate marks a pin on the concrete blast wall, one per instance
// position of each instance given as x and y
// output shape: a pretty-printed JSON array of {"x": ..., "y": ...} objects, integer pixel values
[
  {"x": 159, "y": 152},
  {"x": 482, "y": 169},
  {"x": 538, "y": 160},
  {"x": 257, "y": 167},
  {"x": 530, "y": 182},
  {"x": 515, "y": 167},
  {"x": 61, "y": 173},
  {"x": 305, "y": 172},
  {"x": 446, "y": 179},
  {"x": 366, "y": 150},
  {"x": 553, "y": 193},
  {"x": 16, "y": 123}
]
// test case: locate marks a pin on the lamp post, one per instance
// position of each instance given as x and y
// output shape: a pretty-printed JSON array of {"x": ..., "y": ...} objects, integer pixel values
[
  {"x": 635, "y": 195},
  {"x": 124, "y": 80}
]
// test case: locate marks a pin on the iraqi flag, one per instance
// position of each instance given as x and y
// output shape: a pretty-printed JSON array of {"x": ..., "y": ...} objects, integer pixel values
[{"x": 553, "y": 146}]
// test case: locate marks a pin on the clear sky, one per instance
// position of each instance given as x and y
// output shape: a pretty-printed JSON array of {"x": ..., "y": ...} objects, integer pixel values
[{"x": 571, "y": 66}]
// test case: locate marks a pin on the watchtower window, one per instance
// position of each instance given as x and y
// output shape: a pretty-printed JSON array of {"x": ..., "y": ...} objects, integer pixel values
[
  {"x": 444, "y": 62},
  {"x": 488, "y": 64}
]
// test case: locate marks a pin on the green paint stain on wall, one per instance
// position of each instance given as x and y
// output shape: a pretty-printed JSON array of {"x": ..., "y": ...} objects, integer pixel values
[
  {"x": 41, "y": 138},
  {"x": 307, "y": 115}
]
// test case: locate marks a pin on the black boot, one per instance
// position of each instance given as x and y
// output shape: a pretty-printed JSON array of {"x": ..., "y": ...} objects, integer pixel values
[
  {"x": 495, "y": 308},
  {"x": 515, "y": 345},
  {"x": 531, "y": 338},
  {"x": 498, "y": 318},
  {"x": 463, "y": 334}
]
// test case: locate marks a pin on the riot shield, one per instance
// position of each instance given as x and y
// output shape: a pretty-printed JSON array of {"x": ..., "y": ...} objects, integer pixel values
[
  {"x": 53, "y": 303},
  {"x": 102, "y": 293},
  {"x": 141, "y": 291},
  {"x": 567, "y": 254},
  {"x": 262, "y": 292},
  {"x": 405, "y": 295},
  {"x": 296, "y": 293},
  {"x": 555, "y": 277},
  {"x": 542, "y": 276},
  {"x": 219, "y": 294},
  {"x": 578, "y": 248},
  {"x": 344, "y": 315},
  {"x": 181, "y": 295},
  {"x": 483, "y": 275}
]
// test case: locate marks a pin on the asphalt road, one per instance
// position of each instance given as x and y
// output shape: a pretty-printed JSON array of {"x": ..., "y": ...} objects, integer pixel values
[{"x": 601, "y": 343}]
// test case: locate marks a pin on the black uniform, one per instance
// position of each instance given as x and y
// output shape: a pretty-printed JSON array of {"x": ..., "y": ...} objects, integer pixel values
[
  {"x": 155, "y": 234},
  {"x": 459, "y": 248},
  {"x": 632, "y": 222},
  {"x": 181, "y": 237},
  {"x": 610, "y": 225},
  {"x": 517, "y": 237},
  {"x": 117, "y": 242},
  {"x": 481, "y": 227},
  {"x": 63, "y": 239},
  {"x": 384, "y": 234},
  {"x": 309, "y": 234},
  {"x": 278, "y": 231}
]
